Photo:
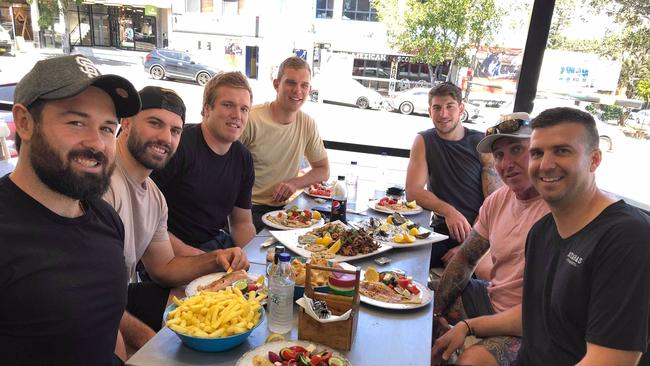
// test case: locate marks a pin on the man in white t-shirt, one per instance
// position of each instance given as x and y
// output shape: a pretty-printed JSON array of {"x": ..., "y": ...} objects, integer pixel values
[
  {"x": 503, "y": 223},
  {"x": 147, "y": 142},
  {"x": 279, "y": 136}
]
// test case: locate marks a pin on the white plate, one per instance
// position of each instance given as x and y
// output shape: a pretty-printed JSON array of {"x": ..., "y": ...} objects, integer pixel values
[
  {"x": 290, "y": 240},
  {"x": 306, "y": 190},
  {"x": 191, "y": 288},
  {"x": 263, "y": 350},
  {"x": 433, "y": 238},
  {"x": 372, "y": 204},
  {"x": 275, "y": 225},
  {"x": 425, "y": 294}
]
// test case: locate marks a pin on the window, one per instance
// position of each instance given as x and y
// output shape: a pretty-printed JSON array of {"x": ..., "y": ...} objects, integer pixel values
[
  {"x": 359, "y": 10},
  {"x": 193, "y": 6},
  {"x": 207, "y": 6},
  {"x": 324, "y": 9}
]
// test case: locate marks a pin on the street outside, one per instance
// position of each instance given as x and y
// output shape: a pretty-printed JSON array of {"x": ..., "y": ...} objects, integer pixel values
[{"x": 622, "y": 171}]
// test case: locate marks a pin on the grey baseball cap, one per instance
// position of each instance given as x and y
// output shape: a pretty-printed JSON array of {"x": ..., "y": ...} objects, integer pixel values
[
  {"x": 517, "y": 125},
  {"x": 66, "y": 76}
]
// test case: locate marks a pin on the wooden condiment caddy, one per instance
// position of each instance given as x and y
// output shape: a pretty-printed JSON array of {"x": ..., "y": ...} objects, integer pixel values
[{"x": 336, "y": 334}]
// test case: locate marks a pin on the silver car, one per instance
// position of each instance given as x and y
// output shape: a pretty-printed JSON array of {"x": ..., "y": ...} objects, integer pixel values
[{"x": 416, "y": 100}]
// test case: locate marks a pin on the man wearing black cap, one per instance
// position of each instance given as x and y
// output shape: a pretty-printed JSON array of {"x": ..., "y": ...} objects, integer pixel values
[
  {"x": 60, "y": 243},
  {"x": 147, "y": 141}
]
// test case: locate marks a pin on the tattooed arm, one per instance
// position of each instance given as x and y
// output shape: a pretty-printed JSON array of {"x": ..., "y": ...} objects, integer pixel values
[
  {"x": 489, "y": 178},
  {"x": 459, "y": 270}
]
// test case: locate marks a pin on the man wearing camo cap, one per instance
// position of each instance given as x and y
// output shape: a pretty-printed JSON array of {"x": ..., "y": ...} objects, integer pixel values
[{"x": 61, "y": 268}]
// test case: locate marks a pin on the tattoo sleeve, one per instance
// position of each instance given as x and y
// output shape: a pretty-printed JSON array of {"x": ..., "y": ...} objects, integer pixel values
[
  {"x": 459, "y": 270},
  {"x": 489, "y": 178}
]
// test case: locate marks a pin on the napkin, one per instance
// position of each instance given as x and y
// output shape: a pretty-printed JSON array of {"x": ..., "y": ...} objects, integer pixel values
[{"x": 306, "y": 303}]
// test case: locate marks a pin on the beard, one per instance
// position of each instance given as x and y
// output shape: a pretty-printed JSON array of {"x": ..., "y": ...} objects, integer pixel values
[
  {"x": 59, "y": 176},
  {"x": 138, "y": 150}
]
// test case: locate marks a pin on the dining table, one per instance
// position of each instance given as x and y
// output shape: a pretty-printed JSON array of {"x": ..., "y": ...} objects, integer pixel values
[{"x": 383, "y": 336}]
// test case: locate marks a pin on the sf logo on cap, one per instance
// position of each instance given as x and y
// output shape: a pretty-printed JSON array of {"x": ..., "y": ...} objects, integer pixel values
[{"x": 87, "y": 67}]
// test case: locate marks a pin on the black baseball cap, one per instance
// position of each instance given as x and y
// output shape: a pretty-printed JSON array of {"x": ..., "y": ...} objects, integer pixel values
[
  {"x": 66, "y": 76},
  {"x": 157, "y": 97}
]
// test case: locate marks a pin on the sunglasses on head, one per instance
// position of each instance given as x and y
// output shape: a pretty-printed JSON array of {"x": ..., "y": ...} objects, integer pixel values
[{"x": 507, "y": 126}]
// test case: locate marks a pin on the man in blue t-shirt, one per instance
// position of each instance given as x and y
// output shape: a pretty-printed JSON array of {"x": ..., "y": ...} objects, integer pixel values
[
  {"x": 208, "y": 182},
  {"x": 446, "y": 174}
]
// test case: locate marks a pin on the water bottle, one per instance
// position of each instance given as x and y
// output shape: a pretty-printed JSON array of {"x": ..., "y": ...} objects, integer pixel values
[
  {"x": 280, "y": 304},
  {"x": 339, "y": 200},
  {"x": 352, "y": 185},
  {"x": 381, "y": 180}
]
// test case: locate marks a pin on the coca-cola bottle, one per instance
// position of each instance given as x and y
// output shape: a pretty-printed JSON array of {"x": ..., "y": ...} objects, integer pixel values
[{"x": 339, "y": 200}]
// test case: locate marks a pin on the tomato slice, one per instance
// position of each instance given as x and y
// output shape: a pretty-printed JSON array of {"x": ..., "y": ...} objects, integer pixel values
[
  {"x": 413, "y": 289},
  {"x": 403, "y": 282},
  {"x": 315, "y": 360}
]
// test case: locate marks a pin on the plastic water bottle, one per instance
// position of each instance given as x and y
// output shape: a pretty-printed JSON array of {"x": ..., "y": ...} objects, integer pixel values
[
  {"x": 352, "y": 185},
  {"x": 280, "y": 304},
  {"x": 381, "y": 180},
  {"x": 339, "y": 200}
]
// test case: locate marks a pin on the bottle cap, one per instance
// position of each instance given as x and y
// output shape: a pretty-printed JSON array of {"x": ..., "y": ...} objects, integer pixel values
[
  {"x": 353, "y": 162},
  {"x": 341, "y": 177},
  {"x": 285, "y": 257}
]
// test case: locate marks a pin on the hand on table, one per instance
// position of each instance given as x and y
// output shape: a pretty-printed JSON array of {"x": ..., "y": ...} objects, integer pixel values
[
  {"x": 283, "y": 191},
  {"x": 232, "y": 258},
  {"x": 449, "y": 342},
  {"x": 458, "y": 226}
]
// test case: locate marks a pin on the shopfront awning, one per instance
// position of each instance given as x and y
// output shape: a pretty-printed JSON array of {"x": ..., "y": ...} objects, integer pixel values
[{"x": 163, "y": 4}]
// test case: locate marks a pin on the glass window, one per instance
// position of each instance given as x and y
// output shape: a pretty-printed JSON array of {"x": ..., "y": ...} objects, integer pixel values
[
  {"x": 324, "y": 9},
  {"x": 207, "y": 6},
  {"x": 359, "y": 10},
  {"x": 193, "y": 6}
]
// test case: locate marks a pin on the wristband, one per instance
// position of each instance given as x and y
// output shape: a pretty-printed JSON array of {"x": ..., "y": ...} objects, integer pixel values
[{"x": 469, "y": 329}]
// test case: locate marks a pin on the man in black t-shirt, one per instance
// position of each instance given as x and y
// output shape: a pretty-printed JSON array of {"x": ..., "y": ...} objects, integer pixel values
[
  {"x": 586, "y": 295},
  {"x": 62, "y": 267},
  {"x": 446, "y": 174},
  {"x": 208, "y": 182}
]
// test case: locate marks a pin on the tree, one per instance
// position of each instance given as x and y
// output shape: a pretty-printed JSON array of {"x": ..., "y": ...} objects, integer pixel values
[
  {"x": 50, "y": 11},
  {"x": 633, "y": 42},
  {"x": 434, "y": 31},
  {"x": 563, "y": 16}
]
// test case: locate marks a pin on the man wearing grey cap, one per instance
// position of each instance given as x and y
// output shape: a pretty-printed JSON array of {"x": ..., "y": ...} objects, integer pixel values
[
  {"x": 147, "y": 142},
  {"x": 60, "y": 243},
  {"x": 501, "y": 228}
]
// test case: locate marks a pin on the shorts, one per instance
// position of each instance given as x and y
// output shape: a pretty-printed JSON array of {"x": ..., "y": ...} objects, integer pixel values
[
  {"x": 147, "y": 301},
  {"x": 476, "y": 302},
  {"x": 222, "y": 240}
]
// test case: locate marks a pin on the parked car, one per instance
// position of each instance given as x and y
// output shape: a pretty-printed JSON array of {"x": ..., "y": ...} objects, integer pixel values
[
  {"x": 6, "y": 118},
  {"x": 416, "y": 100},
  {"x": 639, "y": 120},
  {"x": 5, "y": 40},
  {"x": 171, "y": 64},
  {"x": 346, "y": 91}
]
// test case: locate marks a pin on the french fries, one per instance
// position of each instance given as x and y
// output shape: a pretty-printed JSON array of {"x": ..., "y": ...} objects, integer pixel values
[
  {"x": 215, "y": 314},
  {"x": 318, "y": 278}
]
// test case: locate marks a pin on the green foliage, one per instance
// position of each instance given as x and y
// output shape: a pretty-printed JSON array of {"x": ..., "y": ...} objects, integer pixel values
[
  {"x": 605, "y": 112},
  {"x": 438, "y": 30},
  {"x": 643, "y": 89},
  {"x": 49, "y": 11}
]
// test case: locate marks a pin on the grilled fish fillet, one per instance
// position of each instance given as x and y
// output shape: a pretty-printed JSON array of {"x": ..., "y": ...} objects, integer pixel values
[{"x": 225, "y": 281}]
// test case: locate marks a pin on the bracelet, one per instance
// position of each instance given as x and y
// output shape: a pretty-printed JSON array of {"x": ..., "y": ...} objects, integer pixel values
[{"x": 469, "y": 329}]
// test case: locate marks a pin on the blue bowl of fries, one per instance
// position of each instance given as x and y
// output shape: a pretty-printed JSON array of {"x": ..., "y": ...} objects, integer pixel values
[{"x": 200, "y": 340}]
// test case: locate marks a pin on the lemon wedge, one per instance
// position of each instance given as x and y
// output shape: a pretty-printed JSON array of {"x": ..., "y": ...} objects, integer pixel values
[
  {"x": 414, "y": 231},
  {"x": 408, "y": 238},
  {"x": 335, "y": 247},
  {"x": 371, "y": 275},
  {"x": 260, "y": 280},
  {"x": 274, "y": 337},
  {"x": 389, "y": 219},
  {"x": 399, "y": 238},
  {"x": 316, "y": 215},
  {"x": 411, "y": 204}
]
